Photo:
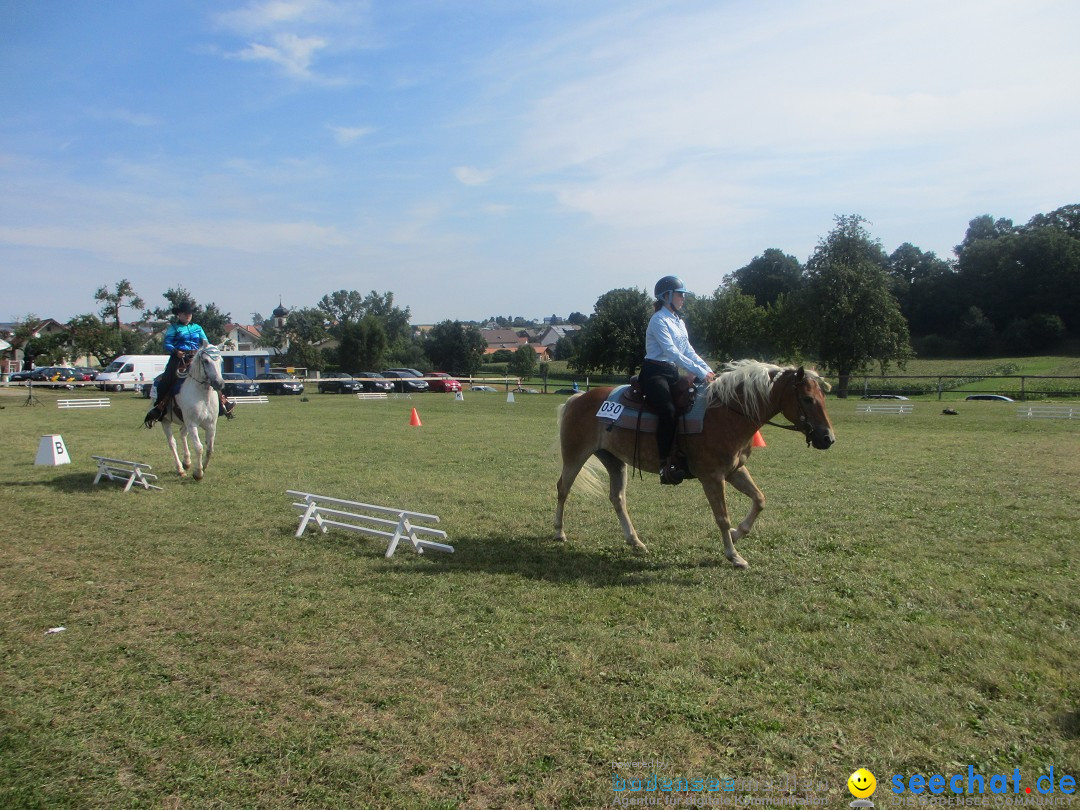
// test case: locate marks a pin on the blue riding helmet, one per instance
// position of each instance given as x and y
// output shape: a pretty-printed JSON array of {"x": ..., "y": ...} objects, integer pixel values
[{"x": 667, "y": 286}]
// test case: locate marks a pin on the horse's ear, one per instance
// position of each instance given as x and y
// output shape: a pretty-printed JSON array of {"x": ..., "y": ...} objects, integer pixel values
[
  {"x": 800, "y": 374},
  {"x": 205, "y": 343}
]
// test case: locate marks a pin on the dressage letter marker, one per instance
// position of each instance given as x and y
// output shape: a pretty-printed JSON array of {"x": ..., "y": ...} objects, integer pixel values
[{"x": 51, "y": 451}]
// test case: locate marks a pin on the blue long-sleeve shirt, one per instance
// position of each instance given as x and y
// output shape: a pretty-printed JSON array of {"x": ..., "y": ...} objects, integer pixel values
[
  {"x": 666, "y": 341},
  {"x": 185, "y": 337}
]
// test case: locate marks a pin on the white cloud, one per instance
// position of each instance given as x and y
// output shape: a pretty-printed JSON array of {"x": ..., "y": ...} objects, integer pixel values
[
  {"x": 471, "y": 176},
  {"x": 346, "y": 135},
  {"x": 265, "y": 15},
  {"x": 290, "y": 52},
  {"x": 681, "y": 118}
]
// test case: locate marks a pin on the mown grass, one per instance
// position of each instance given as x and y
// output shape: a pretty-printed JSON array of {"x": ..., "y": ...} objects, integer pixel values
[{"x": 911, "y": 606}]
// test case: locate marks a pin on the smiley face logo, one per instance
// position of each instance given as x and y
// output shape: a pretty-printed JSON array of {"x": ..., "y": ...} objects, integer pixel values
[{"x": 862, "y": 784}]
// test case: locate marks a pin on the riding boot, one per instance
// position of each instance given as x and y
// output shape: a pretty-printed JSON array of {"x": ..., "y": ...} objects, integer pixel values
[
  {"x": 225, "y": 406},
  {"x": 154, "y": 415},
  {"x": 671, "y": 471}
]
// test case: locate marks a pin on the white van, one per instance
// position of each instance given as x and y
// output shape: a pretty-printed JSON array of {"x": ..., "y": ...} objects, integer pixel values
[{"x": 131, "y": 371}]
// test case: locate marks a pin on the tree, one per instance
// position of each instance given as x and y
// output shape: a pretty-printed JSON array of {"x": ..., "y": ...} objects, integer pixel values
[
  {"x": 24, "y": 335},
  {"x": 343, "y": 306},
  {"x": 523, "y": 363},
  {"x": 363, "y": 345},
  {"x": 577, "y": 319},
  {"x": 614, "y": 338},
  {"x": 769, "y": 276},
  {"x": 977, "y": 334},
  {"x": 396, "y": 319},
  {"x": 982, "y": 228},
  {"x": 456, "y": 348},
  {"x": 89, "y": 335},
  {"x": 210, "y": 318},
  {"x": 305, "y": 326},
  {"x": 849, "y": 317},
  {"x": 564, "y": 348},
  {"x": 727, "y": 324},
  {"x": 123, "y": 295}
]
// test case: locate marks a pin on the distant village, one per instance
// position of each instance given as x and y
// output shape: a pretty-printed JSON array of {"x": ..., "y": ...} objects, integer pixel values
[{"x": 242, "y": 351}]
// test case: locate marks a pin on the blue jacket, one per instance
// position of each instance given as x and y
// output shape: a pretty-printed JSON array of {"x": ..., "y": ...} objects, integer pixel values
[{"x": 186, "y": 338}]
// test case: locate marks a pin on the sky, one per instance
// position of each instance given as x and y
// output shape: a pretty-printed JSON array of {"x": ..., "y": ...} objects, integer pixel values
[{"x": 507, "y": 157}]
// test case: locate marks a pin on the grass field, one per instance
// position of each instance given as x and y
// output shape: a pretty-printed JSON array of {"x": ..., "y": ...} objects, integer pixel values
[{"x": 911, "y": 606}]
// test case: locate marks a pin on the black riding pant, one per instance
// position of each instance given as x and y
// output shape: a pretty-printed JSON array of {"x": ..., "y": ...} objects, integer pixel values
[
  {"x": 167, "y": 380},
  {"x": 658, "y": 380}
]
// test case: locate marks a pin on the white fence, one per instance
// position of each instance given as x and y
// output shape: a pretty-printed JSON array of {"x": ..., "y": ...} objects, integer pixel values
[
  {"x": 884, "y": 407},
  {"x": 1048, "y": 411}
]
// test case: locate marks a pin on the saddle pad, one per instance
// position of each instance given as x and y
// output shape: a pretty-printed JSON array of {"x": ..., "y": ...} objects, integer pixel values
[{"x": 618, "y": 413}]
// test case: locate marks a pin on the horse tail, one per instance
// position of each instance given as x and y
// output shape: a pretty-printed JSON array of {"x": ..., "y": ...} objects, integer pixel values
[{"x": 588, "y": 477}]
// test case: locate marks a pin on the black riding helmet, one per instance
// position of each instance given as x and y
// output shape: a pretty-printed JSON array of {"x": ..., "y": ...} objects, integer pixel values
[{"x": 184, "y": 306}]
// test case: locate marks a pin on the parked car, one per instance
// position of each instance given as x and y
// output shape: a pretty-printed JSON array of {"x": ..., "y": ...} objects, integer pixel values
[
  {"x": 520, "y": 390},
  {"x": 239, "y": 385},
  {"x": 85, "y": 373},
  {"x": 482, "y": 388},
  {"x": 19, "y": 376},
  {"x": 60, "y": 376},
  {"x": 336, "y": 382},
  {"x": 373, "y": 382},
  {"x": 276, "y": 382},
  {"x": 883, "y": 396},
  {"x": 406, "y": 380},
  {"x": 443, "y": 382},
  {"x": 990, "y": 397}
]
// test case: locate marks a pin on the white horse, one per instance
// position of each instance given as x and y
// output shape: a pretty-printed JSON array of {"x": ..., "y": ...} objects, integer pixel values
[{"x": 196, "y": 406}]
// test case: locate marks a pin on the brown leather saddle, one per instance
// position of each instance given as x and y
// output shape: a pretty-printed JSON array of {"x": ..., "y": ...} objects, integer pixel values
[{"x": 683, "y": 396}]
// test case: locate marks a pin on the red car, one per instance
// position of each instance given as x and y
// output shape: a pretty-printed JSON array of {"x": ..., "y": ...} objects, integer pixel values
[{"x": 441, "y": 381}]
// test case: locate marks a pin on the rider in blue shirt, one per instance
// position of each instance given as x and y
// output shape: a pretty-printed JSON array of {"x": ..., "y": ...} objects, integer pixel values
[
  {"x": 667, "y": 350},
  {"x": 181, "y": 339}
]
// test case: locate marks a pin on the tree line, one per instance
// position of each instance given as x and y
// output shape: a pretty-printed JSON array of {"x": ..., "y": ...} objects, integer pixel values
[{"x": 853, "y": 306}]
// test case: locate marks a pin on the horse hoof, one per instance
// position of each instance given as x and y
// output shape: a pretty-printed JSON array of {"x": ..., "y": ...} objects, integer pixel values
[
  {"x": 560, "y": 538},
  {"x": 639, "y": 548},
  {"x": 739, "y": 562}
]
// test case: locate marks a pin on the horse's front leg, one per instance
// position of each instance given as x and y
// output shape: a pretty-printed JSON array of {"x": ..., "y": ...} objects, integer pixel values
[
  {"x": 192, "y": 434},
  {"x": 741, "y": 480},
  {"x": 211, "y": 432},
  {"x": 166, "y": 428},
  {"x": 714, "y": 491}
]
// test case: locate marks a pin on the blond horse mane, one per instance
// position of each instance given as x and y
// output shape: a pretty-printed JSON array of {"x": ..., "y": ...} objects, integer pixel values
[{"x": 745, "y": 385}]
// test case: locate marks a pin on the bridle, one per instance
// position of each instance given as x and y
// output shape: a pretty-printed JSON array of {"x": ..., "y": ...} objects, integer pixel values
[
  {"x": 189, "y": 364},
  {"x": 802, "y": 424}
]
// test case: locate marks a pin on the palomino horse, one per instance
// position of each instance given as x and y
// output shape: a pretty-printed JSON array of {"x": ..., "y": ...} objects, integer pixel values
[
  {"x": 197, "y": 403},
  {"x": 745, "y": 396}
]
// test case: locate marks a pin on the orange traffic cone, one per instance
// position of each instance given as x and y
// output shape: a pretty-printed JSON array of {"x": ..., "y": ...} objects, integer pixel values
[
  {"x": 759, "y": 440},
  {"x": 414, "y": 420}
]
